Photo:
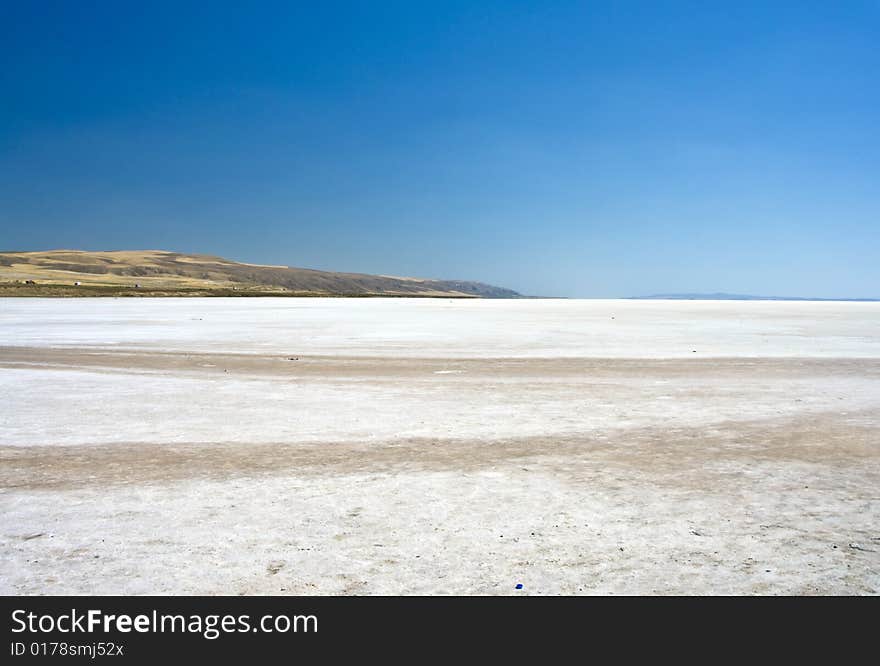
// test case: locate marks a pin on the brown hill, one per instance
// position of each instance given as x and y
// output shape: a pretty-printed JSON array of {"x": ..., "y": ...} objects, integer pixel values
[{"x": 56, "y": 272}]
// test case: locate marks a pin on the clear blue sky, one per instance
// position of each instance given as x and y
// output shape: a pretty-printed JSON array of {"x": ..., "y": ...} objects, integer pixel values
[{"x": 558, "y": 148}]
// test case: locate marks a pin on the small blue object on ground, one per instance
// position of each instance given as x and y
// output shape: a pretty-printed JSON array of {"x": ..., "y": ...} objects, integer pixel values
[{"x": 519, "y": 586}]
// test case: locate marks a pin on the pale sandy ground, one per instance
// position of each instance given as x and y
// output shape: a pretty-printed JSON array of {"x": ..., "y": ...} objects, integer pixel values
[{"x": 370, "y": 446}]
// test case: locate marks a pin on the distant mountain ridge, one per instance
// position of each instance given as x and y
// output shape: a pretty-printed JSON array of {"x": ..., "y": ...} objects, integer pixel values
[
  {"x": 742, "y": 297},
  {"x": 164, "y": 271}
]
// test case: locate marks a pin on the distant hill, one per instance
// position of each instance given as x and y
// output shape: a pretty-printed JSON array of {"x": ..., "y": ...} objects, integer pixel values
[
  {"x": 157, "y": 272},
  {"x": 741, "y": 297}
]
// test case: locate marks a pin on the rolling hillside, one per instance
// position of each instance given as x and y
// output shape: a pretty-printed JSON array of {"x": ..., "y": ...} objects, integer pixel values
[{"x": 157, "y": 272}]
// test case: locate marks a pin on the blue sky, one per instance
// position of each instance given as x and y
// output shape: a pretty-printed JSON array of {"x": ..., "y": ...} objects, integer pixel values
[{"x": 558, "y": 148}]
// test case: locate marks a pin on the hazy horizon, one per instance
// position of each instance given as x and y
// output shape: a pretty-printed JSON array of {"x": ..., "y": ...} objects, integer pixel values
[
  {"x": 684, "y": 295},
  {"x": 558, "y": 149}
]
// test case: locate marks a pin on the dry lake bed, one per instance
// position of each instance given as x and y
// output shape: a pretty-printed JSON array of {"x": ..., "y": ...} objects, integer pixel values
[{"x": 424, "y": 446}]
